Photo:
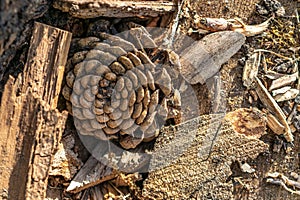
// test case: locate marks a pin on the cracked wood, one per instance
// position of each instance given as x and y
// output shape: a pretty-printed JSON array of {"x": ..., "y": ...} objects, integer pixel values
[
  {"x": 116, "y": 8},
  {"x": 30, "y": 123}
]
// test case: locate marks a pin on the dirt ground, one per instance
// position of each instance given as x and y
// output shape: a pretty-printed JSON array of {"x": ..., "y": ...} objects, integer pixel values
[{"x": 246, "y": 185}]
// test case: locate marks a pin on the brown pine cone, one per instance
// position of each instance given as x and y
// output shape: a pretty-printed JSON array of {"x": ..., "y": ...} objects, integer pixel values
[{"x": 114, "y": 90}]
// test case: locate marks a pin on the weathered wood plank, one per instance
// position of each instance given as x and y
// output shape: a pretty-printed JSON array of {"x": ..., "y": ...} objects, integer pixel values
[
  {"x": 115, "y": 8},
  {"x": 30, "y": 125}
]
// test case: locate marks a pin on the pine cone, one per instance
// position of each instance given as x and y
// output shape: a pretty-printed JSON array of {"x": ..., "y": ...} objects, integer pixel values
[{"x": 114, "y": 90}]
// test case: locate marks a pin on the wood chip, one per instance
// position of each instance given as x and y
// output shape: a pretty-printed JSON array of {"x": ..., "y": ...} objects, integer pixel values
[
  {"x": 251, "y": 69},
  {"x": 274, "y": 124},
  {"x": 280, "y": 90},
  {"x": 194, "y": 169},
  {"x": 250, "y": 122},
  {"x": 92, "y": 173},
  {"x": 288, "y": 95},
  {"x": 273, "y": 107},
  {"x": 273, "y": 75},
  {"x": 283, "y": 81}
]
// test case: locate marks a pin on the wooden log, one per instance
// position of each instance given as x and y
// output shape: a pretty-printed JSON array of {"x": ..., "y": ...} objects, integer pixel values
[
  {"x": 115, "y": 8},
  {"x": 30, "y": 125}
]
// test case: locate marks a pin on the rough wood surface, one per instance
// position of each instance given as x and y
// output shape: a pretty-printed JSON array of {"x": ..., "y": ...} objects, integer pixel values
[
  {"x": 115, "y": 8},
  {"x": 195, "y": 157},
  {"x": 30, "y": 125},
  {"x": 46, "y": 62}
]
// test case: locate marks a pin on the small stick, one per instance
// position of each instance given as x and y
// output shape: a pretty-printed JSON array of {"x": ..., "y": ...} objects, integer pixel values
[
  {"x": 297, "y": 16},
  {"x": 285, "y": 181},
  {"x": 281, "y": 183},
  {"x": 272, "y": 52},
  {"x": 169, "y": 41}
]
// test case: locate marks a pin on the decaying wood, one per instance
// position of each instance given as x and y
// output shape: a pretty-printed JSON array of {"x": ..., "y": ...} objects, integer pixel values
[
  {"x": 65, "y": 161},
  {"x": 204, "y": 58},
  {"x": 46, "y": 62},
  {"x": 116, "y": 8},
  {"x": 92, "y": 173},
  {"x": 204, "y": 164},
  {"x": 31, "y": 126}
]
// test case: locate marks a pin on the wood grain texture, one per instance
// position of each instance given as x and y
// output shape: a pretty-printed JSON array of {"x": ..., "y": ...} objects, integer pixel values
[
  {"x": 195, "y": 156},
  {"x": 115, "y": 8},
  {"x": 45, "y": 64},
  {"x": 224, "y": 9},
  {"x": 30, "y": 124}
]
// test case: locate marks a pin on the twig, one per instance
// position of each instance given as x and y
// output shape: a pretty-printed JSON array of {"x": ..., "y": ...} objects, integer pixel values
[
  {"x": 272, "y": 52},
  {"x": 297, "y": 16},
  {"x": 169, "y": 41},
  {"x": 279, "y": 182}
]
